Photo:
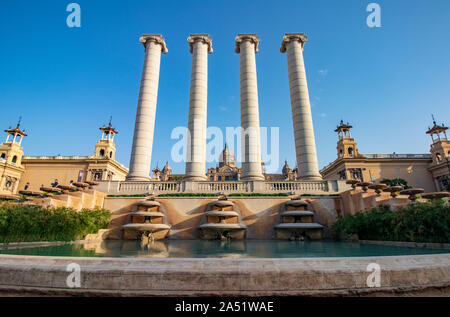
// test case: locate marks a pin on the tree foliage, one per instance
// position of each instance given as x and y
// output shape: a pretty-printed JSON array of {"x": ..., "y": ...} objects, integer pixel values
[
  {"x": 34, "y": 223},
  {"x": 417, "y": 222}
]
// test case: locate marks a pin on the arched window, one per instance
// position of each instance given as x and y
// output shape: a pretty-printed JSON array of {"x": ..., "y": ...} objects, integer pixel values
[
  {"x": 110, "y": 154},
  {"x": 3, "y": 156},
  {"x": 438, "y": 157},
  {"x": 14, "y": 159},
  {"x": 350, "y": 151},
  {"x": 341, "y": 153},
  {"x": 102, "y": 153}
]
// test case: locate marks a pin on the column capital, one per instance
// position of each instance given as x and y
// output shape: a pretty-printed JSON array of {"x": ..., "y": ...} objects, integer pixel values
[
  {"x": 252, "y": 37},
  {"x": 204, "y": 38},
  {"x": 289, "y": 37},
  {"x": 156, "y": 38}
]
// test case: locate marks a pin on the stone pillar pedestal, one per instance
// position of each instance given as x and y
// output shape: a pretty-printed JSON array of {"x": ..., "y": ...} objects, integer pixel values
[
  {"x": 200, "y": 47},
  {"x": 305, "y": 144},
  {"x": 141, "y": 152},
  {"x": 247, "y": 46}
]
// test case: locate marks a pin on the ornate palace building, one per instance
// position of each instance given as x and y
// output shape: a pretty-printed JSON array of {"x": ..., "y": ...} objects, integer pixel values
[
  {"x": 19, "y": 170},
  {"x": 428, "y": 171}
]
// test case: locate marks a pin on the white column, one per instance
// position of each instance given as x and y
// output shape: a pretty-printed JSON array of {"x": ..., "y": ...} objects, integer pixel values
[
  {"x": 305, "y": 144},
  {"x": 247, "y": 46},
  {"x": 141, "y": 152},
  {"x": 200, "y": 46}
]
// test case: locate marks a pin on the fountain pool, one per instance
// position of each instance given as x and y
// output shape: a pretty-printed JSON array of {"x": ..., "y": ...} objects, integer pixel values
[{"x": 220, "y": 249}]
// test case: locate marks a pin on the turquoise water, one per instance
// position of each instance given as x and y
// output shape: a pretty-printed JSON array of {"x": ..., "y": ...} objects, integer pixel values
[{"x": 237, "y": 249}]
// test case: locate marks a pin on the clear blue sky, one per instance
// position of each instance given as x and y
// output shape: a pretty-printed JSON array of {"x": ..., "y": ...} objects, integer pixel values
[{"x": 66, "y": 82}]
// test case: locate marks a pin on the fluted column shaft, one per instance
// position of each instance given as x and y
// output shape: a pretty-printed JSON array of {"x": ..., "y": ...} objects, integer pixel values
[
  {"x": 247, "y": 46},
  {"x": 200, "y": 45},
  {"x": 305, "y": 144},
  {"x": 141, "y": 152}
]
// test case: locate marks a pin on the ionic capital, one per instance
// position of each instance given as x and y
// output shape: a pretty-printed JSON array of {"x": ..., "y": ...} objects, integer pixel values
[
  {"x": 155, "y": 38},
  {"x": 204, "y": 38},
  {"x": 289, "y": 37},
  {"x": 252, "y": 37}
]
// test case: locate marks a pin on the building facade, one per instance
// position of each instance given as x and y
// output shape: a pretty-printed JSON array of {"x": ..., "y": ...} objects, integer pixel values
[
  {"x": 429, "y": 171},
  {"x": 19, "y": 170}
]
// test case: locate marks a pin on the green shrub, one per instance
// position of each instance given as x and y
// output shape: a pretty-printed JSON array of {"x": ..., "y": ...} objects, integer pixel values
[
  {"x": 132, "y": 195},
  {"x": 395, "y": 182},
  {"x": 417, "y": 222},
  {"x": 34, "y": 223},
  {"x": 257, "y": 195},
  {"x": 319, "y": 195},
  {"x": 188, "y": 195}
]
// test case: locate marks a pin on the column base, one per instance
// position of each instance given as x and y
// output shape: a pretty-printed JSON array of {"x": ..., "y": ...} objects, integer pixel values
[
  {"x": 253, "y": 178},
  {"x": 194, "y": 178},
  {"x": 310, "y": 178},
  {"x": 137, "y": 179}
]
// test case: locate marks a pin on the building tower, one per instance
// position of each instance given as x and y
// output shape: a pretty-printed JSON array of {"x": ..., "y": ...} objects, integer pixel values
[
  {"x": 346, "y": 146},
  {"x": 11, "y": 153},
  {"x": 226, "y": 158},
  {"x": 105, "y": 148},
  {"x": 305, "y": 144},
  {"x": 440, "y": 152},
  {"x": 166, "y": 173}
]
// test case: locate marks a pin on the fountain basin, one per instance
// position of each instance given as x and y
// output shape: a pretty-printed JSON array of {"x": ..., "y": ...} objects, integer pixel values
[
  {"x": 298, "y": 213},
  {"x": 296, "y": 203},
  {"x": 214, "y": 231},
  {"x": 296, "y": 230},
  {"x": 222, "y": 213},
  {"x": 299, "y": 225},
  {"x": 148, "y": 214},
  {"x": 148, "y": 203},
  {"x": 311, "y": 272},
  {"x": 135, "y": 230},
  {"x": 221, "y": 203}
]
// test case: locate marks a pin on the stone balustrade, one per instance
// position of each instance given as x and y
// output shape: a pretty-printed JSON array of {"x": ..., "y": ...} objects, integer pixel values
[
  {"x": 149, "y": 187},
  {"x": 297, "y": 186},
  {"x": 235, "y": 187},
  {"x": 144, "y": 187}
]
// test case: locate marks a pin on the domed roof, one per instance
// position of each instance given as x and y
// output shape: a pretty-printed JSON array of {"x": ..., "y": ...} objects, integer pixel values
[
  {"x": 166, "y": 167},
  {"x": 226, "y": 157},
  {"x": 286, "y": 168}
]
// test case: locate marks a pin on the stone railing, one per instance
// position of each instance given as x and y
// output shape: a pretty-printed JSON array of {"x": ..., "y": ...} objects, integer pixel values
[
  {"x": 235, "y": 187},
  {"x": 57, "y": 157},
  {"x": 147, "y": 187},
  {"x": 297, "y": 187},
  {"x": 394, "y": 156},
  {"x": 304, "y": 186},
  {"x": 390, "y": 156}
]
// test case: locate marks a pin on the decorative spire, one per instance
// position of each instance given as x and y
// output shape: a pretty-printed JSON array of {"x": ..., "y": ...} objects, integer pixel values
[
  {"x": 18, "y": 123},
  {"x": 110, "y": 119}
]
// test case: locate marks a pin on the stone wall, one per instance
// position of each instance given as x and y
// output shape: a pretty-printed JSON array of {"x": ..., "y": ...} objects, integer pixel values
[
  {"x": 78, "y": 200},
  {"x": 232, "y": 277},
  {"x": 357, "y": 200},
  {"x": 259, "y": 214}
]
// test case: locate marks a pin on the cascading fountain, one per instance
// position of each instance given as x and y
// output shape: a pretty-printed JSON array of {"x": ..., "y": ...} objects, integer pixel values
[
  {"x": 147, "y": 223},
  {"x": 222, "y": 222},
  {"x": 297, "y": 222}
]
